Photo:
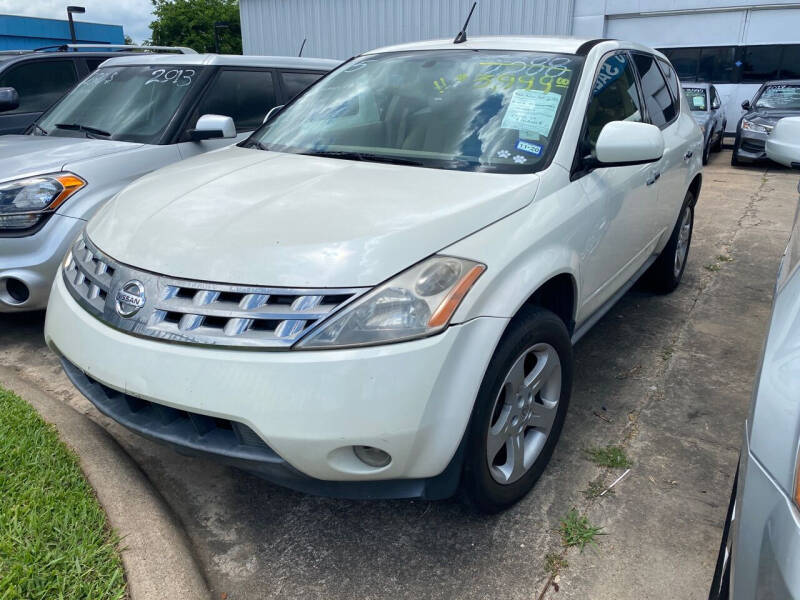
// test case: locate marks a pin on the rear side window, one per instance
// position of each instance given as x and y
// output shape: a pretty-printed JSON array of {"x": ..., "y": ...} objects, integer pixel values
[
  {"x": 657, "y": 97},
  {"x": 39, "y": 83},
  {"x": 294, "y": 83},
  {"x": 672, "y": 82},
  {"x": 245, "y": 96},
  {"x": 614, "y": 98}
]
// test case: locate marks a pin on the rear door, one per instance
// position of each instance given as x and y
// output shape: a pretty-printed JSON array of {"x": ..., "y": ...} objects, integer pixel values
[
  {"x": 39, "y": 83},
  {"x": 244, "y": 94},
  {"x": 662, "y": 100}
]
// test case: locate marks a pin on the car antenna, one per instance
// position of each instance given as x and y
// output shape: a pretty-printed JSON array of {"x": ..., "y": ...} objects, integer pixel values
[
  {"x": 303, "y": 45},
  {"x": 462, "y": 35}
]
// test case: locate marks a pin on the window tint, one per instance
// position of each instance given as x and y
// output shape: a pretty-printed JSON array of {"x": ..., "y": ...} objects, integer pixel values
[
  {"x": 672, "y": 82},
  {"x": 790, "y": 65},
  {"x": 656, "y": 94},
  {"x": 615, "y": 98},
  {"x": 717, "y": 64},
  {"x": 294, "y": 83},
  {"x": 245, "y": 96},
  {"x": 93, "y": 63},
  {"x": 39, "y": 83},
  {"x": 761, "y": 63},
  {"x": 714, "y": 97}
]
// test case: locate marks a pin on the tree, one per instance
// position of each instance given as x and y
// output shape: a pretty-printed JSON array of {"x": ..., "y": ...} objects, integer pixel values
[{"x": 192, "y": 22}]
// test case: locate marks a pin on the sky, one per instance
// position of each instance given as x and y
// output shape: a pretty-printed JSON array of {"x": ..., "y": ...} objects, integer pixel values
[{"x": 134, "y": 15}]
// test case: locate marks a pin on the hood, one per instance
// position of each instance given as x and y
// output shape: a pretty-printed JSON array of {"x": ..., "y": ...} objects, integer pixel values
[
  {"x": 765, "y": 116},
  {"x": 261, "y": 218},
  {"x": 22, "y": 155}
]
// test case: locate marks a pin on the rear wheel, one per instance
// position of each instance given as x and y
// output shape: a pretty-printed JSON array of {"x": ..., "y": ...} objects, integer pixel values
[
  {"x": 519, "y": 411},
  {"x": 667, "y": 271}
]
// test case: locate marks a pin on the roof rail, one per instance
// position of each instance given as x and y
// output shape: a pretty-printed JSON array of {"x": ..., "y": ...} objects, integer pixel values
[{"x": 115, "y": 48}]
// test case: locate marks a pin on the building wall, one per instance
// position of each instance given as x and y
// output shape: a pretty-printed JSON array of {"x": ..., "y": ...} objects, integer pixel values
[
  {"x": 343, "y": 28},
  {"x": 22, "y": 33}
]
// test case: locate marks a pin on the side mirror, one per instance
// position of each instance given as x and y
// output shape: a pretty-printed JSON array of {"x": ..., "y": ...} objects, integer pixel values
[
  {"x": 272, "y": 112},
  {"x": 746, "y": 105},
  {"x": 9, "y": 98},
  {"x": 716, "y": 104},
  {"x": 783, "y": 142},
  {"x": 623, "y": 143},
  {"x": 211, "y": 127}
]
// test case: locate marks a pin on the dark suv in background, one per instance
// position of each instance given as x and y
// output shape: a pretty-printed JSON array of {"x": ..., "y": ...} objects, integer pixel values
[
  {"x": 773, "y": 101},
  {"x": 41, "y": 77}
]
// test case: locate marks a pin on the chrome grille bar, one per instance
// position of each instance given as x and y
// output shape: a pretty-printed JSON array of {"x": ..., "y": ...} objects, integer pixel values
[{"x": 197, "y": 312}]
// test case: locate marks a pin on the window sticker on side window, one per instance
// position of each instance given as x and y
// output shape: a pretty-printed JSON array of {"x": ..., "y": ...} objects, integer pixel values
[{"x": 532, "y": 111}]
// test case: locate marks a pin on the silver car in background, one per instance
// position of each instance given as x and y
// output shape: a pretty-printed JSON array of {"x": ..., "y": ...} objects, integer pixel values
[
  {"x": 708, "y": 111},
  {"x": 760, "y": 551},
  {"x": 131, "y": 116}
]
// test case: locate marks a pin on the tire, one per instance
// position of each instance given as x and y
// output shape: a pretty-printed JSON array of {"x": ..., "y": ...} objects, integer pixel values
[
  {"x": 706, "y": 152},
  {"x": 537, "y": 348},
  {"x": 666, "y": 272},
  {"x": 735, "y": 156}
]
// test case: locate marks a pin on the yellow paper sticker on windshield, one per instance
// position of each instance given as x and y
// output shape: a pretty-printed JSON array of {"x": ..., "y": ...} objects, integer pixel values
[{"x": 532, "y": 111}]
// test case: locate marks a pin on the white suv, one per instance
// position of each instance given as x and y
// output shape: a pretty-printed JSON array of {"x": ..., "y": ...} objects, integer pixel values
[{"x": 377, "y": 293}]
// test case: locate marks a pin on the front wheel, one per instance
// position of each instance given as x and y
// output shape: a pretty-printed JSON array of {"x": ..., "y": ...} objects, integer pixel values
[
  {"x": 706, "y": 151},
  {"x": 519, "y": 411},
  {"x": 667, "y": 271}
]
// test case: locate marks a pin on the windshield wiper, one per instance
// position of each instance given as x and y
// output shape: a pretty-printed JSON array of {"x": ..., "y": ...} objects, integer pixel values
[
  {"x": 88, "y": 131},
  {"x": 366, "y": 157},
  {"x": 255, "y": 144}
]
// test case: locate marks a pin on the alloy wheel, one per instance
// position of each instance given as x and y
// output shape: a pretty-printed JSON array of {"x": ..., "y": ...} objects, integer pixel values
[
  {"x": 523, "y": 413},
  {"x": 682, "y": 247}
]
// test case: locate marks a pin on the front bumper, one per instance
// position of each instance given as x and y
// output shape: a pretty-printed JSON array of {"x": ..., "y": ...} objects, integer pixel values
[
  {"x": 766, "y": 536},
  {"x": 412, "y": 400},
  {"x": 751, "y": 145},
  {"x": 34, "y": 260}
]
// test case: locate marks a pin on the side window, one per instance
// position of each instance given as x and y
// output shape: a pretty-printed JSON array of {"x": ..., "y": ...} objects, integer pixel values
[
  {"x": 614, "y": 98},
  {"x": 245, "y": 96},
  {"x": 39, "y": 83},
  {"x": 672, "y": 82},
  {"x": 93, "y": 63},
  {"x": 294, "y": 83},
  {"x": 714, "y": 97},
  {"x": 657, "y": 97}
]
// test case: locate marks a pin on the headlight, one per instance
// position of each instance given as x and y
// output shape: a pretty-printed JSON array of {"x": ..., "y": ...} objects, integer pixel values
[
  {"x": 750, "y": 126},
  {"x": 23, "y": 202},
  {"x": 417, "y": 303}
]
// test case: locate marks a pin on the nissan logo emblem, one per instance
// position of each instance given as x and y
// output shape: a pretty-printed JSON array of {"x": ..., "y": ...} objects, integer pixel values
[{"x": 130, "y": 298}]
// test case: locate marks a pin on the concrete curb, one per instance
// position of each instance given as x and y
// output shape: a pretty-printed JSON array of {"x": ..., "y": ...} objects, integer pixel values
[{"x": 156, "y": 553}]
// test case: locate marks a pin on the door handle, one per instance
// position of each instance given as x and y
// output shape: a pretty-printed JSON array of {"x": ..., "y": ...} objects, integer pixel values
[
  {"x": 688, "y": 155},
  {"x": 653, "y": 178}
]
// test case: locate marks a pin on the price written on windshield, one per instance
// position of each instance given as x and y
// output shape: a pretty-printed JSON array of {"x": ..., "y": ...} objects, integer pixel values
[
  {"x": 177, "y": 77},
  {"x": 505, "y": 81}
]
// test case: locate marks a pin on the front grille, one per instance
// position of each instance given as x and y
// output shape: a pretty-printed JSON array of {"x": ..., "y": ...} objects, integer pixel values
[{"x": 195, "y": 312}]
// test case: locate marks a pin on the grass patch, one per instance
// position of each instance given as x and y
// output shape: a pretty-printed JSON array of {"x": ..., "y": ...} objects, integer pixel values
[
  {"x": 594, "y": 489},
  {"x": 577, "y": 531},
  {"x": 713, "y": 267},
  {"x": 610, "y": 456},
  {"x": 554, "y": 563},
  {"x": 54, "y": 538},
  {"x": 724, "y": 258}
]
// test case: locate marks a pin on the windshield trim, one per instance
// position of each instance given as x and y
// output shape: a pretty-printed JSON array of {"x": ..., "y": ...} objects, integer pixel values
[
  {"x": 558, "y": 124},
  {"x": 168, "y": 135}
]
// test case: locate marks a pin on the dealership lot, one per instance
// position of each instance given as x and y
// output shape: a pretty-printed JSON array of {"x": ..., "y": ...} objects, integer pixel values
[{"x": 668, "y": 377}]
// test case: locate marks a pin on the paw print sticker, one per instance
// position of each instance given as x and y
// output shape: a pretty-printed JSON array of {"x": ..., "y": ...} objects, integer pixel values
[
  {"x": 519, "y": 159},
  {"x": 503, "y": 153}
]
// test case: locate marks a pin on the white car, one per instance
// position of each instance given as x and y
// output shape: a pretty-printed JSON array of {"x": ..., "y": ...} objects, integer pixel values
[
  {"x": 783, "y": 143},
  {"x": 377, "y": 293}
]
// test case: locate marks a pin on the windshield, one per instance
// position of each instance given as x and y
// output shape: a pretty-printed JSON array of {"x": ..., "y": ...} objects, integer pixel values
[
  {"x": 131, "y": 104},
  {"x": 472, "y": 110},
  {"x": 783, "y": 97},
  {"x": 697, "y": 98}
]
